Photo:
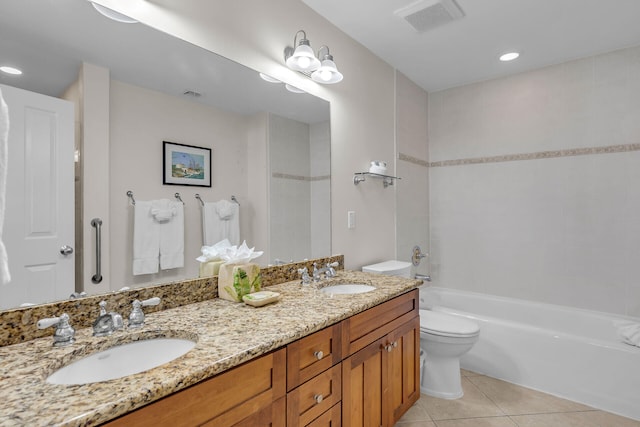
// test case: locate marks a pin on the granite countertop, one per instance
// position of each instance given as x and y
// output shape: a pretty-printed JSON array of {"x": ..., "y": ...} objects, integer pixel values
[{"x": 227, "y": 335}]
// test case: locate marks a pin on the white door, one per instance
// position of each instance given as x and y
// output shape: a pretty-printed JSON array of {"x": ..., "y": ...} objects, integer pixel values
[{"x": 39, "y": 214}]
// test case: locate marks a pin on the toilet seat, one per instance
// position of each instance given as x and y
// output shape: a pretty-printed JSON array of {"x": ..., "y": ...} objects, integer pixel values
[{"x": 442, "y": 324}]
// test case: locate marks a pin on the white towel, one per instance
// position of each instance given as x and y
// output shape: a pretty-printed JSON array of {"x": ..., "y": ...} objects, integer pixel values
[
  {"x": 220, "y": 220},
  {"x": 158, "y": 236},
  {"x": 146, "y": 239},
  {"x": 171, "y": 233},
  {"x": 629, "y": 332},
  {"x": 5, "y": 277}
]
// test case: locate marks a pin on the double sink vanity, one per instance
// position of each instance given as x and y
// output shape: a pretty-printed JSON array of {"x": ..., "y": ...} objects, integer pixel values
[{"x": 312, "y": 358}]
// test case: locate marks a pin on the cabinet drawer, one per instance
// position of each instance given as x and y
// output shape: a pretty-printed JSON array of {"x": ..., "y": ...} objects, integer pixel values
[
  {"x": 311, "y": 399},
  {"x": 362, "y": 329},
  {"x": 331, "y": 418},
  {"x": 313, "y": 354},
  {"x": 222, "y": 400}
]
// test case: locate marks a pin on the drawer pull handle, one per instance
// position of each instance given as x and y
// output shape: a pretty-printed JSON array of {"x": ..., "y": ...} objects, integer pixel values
[
  {"x": 395, "y": 344},
  {"x": 388, "y": 348},
  {"x": 318, "y": 398},
  {"x": 319, "y": 355}
]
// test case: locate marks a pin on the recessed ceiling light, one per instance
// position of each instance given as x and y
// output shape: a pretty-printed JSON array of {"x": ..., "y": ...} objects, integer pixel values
[
  {"x": 268, "y": 78},
  {"x": 509, "y": 56},
  {"x": 10, "y": 70}
]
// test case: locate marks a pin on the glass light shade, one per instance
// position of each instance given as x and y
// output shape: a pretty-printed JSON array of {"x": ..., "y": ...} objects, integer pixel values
[
  {"x": 327, "y": 73},
  {"x": 303, "y": 58}
]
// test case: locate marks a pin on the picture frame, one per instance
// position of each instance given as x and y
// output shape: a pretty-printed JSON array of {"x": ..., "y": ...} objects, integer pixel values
[{"x": 186, "y": 165}]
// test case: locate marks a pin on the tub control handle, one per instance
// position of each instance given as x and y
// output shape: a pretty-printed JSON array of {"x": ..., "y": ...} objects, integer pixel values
[{"x": 319, "y": 354}]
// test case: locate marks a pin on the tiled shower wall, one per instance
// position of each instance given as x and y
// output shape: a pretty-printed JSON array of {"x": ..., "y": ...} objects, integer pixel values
[
  {"x": 300, "y": 206},
  {"x": 535, "y": 184}
]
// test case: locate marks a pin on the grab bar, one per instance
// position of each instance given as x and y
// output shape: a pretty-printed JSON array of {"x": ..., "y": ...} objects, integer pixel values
[{"x": 97, "y": 224}]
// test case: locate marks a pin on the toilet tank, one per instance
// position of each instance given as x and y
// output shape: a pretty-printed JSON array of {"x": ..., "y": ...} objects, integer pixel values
[{"x": 390, "y": 268}]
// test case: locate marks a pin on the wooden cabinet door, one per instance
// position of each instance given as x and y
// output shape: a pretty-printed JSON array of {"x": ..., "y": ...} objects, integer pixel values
[
  {"x": 270, "y": 416},
  {"x": 404, "y": 369},
  {"x": 363, "y": 387},
  {"x": 221, "y": 401}
]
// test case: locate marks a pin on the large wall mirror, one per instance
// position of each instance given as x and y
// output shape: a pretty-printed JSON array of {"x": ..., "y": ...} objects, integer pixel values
[{"x": 270, "y": 146}]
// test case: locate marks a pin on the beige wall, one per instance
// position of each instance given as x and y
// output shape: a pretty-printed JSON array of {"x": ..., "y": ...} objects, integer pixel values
[
  {"x": 139, "y": 119},
  {"x": 254, "y": 33}
]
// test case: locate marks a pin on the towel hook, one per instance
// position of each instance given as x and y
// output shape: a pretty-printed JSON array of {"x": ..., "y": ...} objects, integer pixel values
[
  {"x": 177, "y": 196},
  {"x": 233, "y": 198},
  {"x": 130, "y": 195},
  {"x": 198, "y": 197}
]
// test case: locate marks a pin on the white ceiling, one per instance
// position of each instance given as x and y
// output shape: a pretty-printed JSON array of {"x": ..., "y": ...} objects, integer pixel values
[
  {"x": 49, "y": 40},
  {"x": 545, "y": 32}
]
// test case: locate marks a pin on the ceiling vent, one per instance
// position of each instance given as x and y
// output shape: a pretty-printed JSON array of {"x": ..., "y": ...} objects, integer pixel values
[{"x": 425, "y": 15}]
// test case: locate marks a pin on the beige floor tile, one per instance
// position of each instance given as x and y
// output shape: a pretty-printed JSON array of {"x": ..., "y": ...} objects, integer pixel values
[
  {"x": 416, "y": 424},
  {"x": 516, "y": 400},
  {"x": 574, "y": 419},
  {"x": 478, "y": 422},
  {"x": 465, "y": 373},
  {"x": 472, "y": 405},
  {"x": 415, "y": 414}
]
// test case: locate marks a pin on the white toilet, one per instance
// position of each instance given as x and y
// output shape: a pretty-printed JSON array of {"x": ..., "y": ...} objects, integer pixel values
[{"x": 443, "y": 339}]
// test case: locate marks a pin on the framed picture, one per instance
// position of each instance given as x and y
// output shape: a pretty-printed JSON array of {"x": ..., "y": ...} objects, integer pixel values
[{"x": 186, "y": 165}]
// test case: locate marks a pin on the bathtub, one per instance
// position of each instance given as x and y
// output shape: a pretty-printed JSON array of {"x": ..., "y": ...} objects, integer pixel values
[{"x": 563, "y": 351}]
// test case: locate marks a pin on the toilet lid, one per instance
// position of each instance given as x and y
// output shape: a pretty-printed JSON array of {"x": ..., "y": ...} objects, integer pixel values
[{"x": 445, "y": 324}]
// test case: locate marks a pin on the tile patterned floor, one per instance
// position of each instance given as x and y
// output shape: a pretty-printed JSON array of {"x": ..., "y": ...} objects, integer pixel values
[{"x": 488, "y": 402}]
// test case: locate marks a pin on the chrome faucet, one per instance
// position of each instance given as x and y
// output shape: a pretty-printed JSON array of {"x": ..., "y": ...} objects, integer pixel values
[
  {"x": 64, "y": 334},
  {"x": 106, "y": 323},
  {"x": 328, "y": 270},
  {"x": 136, "y": 318},
  {"x": 304, "y": 276}
]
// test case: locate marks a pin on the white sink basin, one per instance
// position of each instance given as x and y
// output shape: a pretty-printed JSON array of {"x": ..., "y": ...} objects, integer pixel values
[
  {"x": 121, "y": 360},
  {"x": 347, "y": 288}
]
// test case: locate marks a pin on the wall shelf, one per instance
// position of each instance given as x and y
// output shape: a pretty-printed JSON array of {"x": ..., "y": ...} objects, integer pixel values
[{"x": 387, "y": 180}]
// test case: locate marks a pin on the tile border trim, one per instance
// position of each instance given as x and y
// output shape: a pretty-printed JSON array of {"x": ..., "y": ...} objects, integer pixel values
[
  {"x": 414, "y": 160},
  {"x": 300, "y": 177},
  {"x": 621, "y": 148}
]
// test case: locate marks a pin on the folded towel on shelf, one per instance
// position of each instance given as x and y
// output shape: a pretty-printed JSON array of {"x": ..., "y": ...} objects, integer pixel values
[
  {"x": 5, "y": 277},
  {"x": 629, "y": 332},
  {"x": 220, "y": 220},
  {"x": 158, "y": 236}
]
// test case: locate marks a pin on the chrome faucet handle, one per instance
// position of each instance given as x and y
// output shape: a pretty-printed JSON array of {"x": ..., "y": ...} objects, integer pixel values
[
  {"x": 136, "y": 318},
  {"x": 304, "y": 275},
  {"x": 64, "y": 334},
  {"x": 331, "y": 271}
]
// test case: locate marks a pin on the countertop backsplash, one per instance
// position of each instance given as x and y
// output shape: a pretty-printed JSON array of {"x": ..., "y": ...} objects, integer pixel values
[{"x": 19, "y": 325}]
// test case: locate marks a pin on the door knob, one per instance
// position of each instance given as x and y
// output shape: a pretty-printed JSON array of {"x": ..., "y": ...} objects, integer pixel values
[{"x": 66, "y": 250}]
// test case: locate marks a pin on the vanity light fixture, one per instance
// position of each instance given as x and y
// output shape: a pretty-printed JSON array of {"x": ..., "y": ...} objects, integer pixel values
[
  {"x": 301, "y": 58},
  {"x": 112, "y": 14},
  {"x": 327, "y": 73},
  {"x": 10, "y": 70},
  {"x": 510, "y": 56}
]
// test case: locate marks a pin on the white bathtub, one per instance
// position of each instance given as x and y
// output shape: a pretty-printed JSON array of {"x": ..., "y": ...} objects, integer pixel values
[{"x": 563, "y": 351}]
